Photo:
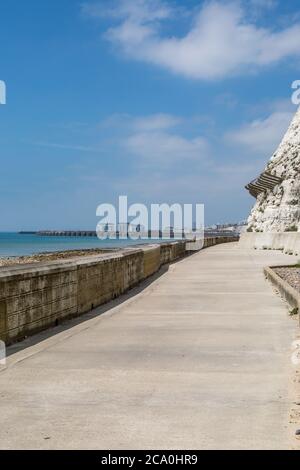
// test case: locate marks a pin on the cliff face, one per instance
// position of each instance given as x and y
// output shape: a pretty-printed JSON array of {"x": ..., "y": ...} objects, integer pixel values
[{"x": 277, "y": 190}]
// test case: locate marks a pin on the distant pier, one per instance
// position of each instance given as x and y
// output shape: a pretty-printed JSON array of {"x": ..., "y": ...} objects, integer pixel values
[
  {"x": 93, "y": 233},
  {"x": 67, "y": 233},
  {"x": 157, "y": 234},
  {"x": 27, "y": 233}
]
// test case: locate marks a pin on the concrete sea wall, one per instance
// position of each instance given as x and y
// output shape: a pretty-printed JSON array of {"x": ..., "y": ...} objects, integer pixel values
[
  {"x": 37, "y": 296},
  {"x": 288, "y": 242},
  {"x": 288, "y": 292}
]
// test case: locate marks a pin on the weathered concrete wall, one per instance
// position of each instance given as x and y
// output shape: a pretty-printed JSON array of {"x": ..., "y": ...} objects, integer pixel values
[
  {"x": 211, "y": 241},
  {"x": 151, "y": 260},
  {"x": 288, "y": 242},
  {"x": 290, "y": 294},
  {"x": 34, "y": 297}
]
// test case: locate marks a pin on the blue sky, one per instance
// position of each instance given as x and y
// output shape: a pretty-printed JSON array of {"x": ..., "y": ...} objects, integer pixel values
[{"x": 164, "y": 101}]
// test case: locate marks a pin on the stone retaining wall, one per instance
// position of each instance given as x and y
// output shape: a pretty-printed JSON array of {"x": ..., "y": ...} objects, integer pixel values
[{"x": 37, "y": 296}]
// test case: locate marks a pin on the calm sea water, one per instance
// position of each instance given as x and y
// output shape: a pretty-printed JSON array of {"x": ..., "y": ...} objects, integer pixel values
[{"x": 15, "y": 244}]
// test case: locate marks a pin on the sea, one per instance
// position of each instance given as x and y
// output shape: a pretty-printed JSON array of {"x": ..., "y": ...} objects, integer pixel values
[{"x": 16, "y": 244}]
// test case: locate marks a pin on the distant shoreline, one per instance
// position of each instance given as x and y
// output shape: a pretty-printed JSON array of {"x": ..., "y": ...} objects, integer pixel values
[
  {"x": 15, "y": 245},
  {"x": 53, "y": 256}
]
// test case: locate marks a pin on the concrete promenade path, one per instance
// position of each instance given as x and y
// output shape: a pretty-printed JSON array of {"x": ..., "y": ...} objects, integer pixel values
[{"x": 198, "y": 359}]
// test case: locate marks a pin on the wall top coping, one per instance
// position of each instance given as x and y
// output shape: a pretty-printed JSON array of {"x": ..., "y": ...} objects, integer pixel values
[{"x": 26, "y": 271}]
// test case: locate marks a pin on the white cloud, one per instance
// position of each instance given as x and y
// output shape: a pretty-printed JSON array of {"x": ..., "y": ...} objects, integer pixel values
[
  {"x": 262, "y": 135},
  {"x": 156, "y": 122},
  {"x": 152, "y": 122},
  {"x": 157, "y": 139},
  {"x": 222, "y": 41},
  {"x": 166, "y": 148}
]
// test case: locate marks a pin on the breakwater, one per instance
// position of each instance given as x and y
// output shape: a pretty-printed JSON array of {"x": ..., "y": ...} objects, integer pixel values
[
  {"x": 154, "y": 234},
  {"x": 35, "y": 297},
  {"x": 67, "y": 233}
]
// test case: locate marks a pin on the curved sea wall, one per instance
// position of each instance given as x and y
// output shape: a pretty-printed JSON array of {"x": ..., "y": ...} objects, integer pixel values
[{"x": 36, "y": 296}]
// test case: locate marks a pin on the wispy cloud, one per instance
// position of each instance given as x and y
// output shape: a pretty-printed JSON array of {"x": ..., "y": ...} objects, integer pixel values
[
  {"x": 263, "y": 4},
  {"x": 157, "y": 139},
  {"x": 169, "y": 157},
  {"x": 81, "y": 148},
  {"x": 165, "y": 148},
  {"x": 257, "y": 8},
  {"x": 262, "y": 135},
  {"x": 139, "y": 11},
  {"x": 220, "y": 42},
  {"x": 156, "y": 122}
]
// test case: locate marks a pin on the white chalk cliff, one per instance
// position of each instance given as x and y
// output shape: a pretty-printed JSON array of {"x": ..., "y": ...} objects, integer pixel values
[{"x": 277, "y": 189}]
